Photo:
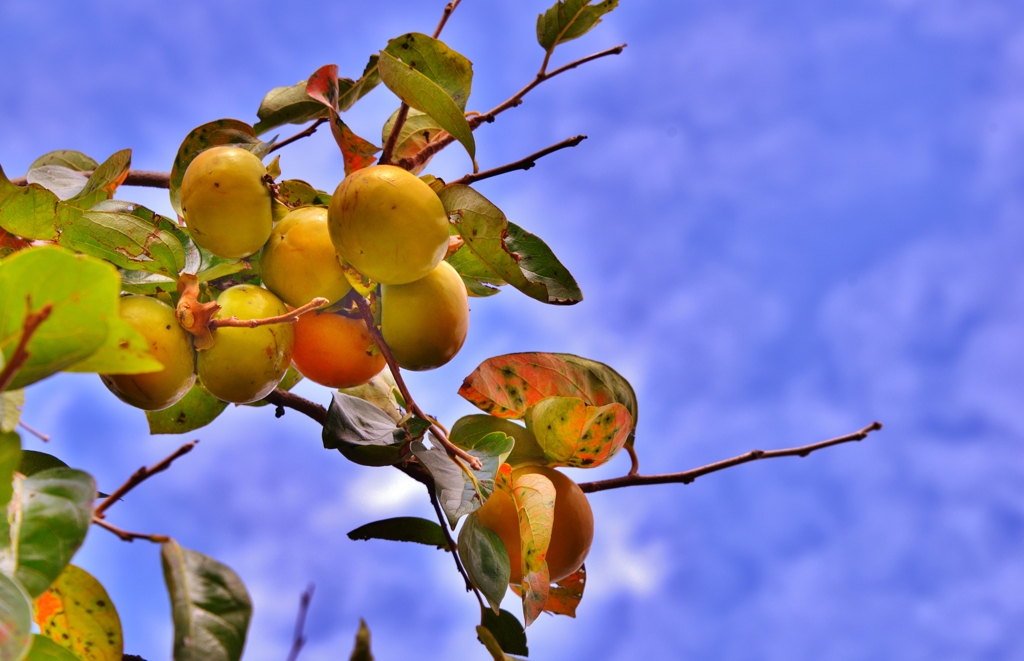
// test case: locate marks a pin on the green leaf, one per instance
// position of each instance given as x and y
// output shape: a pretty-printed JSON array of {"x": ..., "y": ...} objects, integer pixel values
[
  {"x": 84, "y": 293},
  {"x": 67, "y": 158},
  {"x": 361, "y": 651},
  {"x": 418, "y": 130},
  {"x": 196, "y": 409},
  {"x": 126, "y": 241},
  {"x": 286, "y": 105},
  {"x": 32, "y": 212},
  {"x": 33, "y": 462},
  {"x": 486, "y": 561},
  {"x": 362, "y": 432},
  {"x": 61, "y": 181},
  {"x": 212, "y": 134},
  {"x": 507, "y": 631},
  {"x": 125, "y": 351},
  {"x": 44, "y": 649},
  {"x": 570, "y": 19},
  {"x": 380, "y": 391},
  {"x": 47, "y": 521},
  {"x": 451, "y": 71},
  {"x": 479, "y": 280},
  {"x": 506, "y": 386},
  {"x": 403, "y": 529},
  {"x": 15, "y": 619},
  {"x": 574, "y": 434},
  {"x": 11, "y": 402},
  {"x": 461, "y": 490},
  {"x": 104, "y": 180},
  {"x": 526, "y": 450},
  {"x": 210, "y": 606},
  {"x": 512, "y": 255},
  {"x": 10, "y": 457},
  {"x": 487, "y": 639},
  {"x": 297, "y": 193},
  {"x": 76, "y": 612},
  {"x": 425, "y": 95}
]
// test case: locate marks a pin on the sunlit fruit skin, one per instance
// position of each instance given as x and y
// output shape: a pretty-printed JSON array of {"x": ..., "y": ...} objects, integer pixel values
[
  {"x": 425, "y": 322},
  {"x": 299, "y": 262},
  {"x": 245, "y": 364},
  {"x": 169, "y": 344},
  {"x": 526, "y": 450},
  {"x": 572, "y": 531},
  {"x": 225, "y": 202},
  {"x": 388, "y": 225},
  {"x": 331, "y": 349}
]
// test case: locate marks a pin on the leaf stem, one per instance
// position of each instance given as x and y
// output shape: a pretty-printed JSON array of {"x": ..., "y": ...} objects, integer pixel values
[
  {"x": 299, "y": 637},
  {"x": 140, "y": 476},
  {"x": 298, "y": 136},
  {"x": 396, "y": 128},
  {"x": 453, "y": 546},
  {"x": 521, "y": 164},
  {"x": 685, "y": 477},
  {"x": 289, "y": 318},
  {"x": 129, "y": 536},
  {"x": 21, "y": 354},
  {"x": 45, "y": 438}
]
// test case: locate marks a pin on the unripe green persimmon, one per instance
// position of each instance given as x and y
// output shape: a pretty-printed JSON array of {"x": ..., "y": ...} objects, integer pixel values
[
  {"x": 225, "y": 202},
  {"x": 169, "y": 344},
  {"x": 425, "y": 322},
  {"x": 526, "y": 451},
  {"x": 388, "y": 224},
  {"x": 245, "y": 364},
  {"x": 572, "y": 530},
  {"x": 299, "y": 262}
]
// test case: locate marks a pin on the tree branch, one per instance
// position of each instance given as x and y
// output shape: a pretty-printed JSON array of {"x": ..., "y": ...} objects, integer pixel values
[
  {"x": 298, "y": 136},
  {"x": 140, "y": 476},
  {"x": 129, "y": 536},
  {"x": 396, "y": 128},
  {"x": 289, "y": 318},
  {"x": 448, "y": 9},
  {"x": 299, "y": 638},
  {"x": 686, "y": 477},
  {"x": 286, "y": 399},
  {"x": 521, "y": 164},
  {"x": 20, "y": 355}
]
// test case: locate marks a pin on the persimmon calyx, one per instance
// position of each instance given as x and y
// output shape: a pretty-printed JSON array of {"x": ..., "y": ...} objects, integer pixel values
[{"x": 195, "y": 317}]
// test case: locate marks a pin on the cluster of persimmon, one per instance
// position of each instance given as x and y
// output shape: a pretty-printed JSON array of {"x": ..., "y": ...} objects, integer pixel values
[{"x": 383, "y": 222}]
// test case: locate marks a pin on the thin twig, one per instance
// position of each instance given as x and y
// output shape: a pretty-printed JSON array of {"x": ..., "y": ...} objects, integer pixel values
[
  {"x": 289, "y": 318},
  {"x": 45, "y": 438},
  {"x": 140, "y": 476},
  {"x": 521, "y": 164},
  {"x": 410, "y": 404},
  {"x": 298, "y": 136},
  {"x": 20, "y": 355},
  {"x": 396, "y": 128},
  {"x": 129, "y": 536},
  {"x": 634, "y": 460},
  {"x": 754, "y": 455},
  {"x": 299, "y": 637},
  {"x": 432, "y": 148},
  {"x": 448, "y": 9},
  {"x": 453, "y": 546},
  {"x": 144, "y": 178}
]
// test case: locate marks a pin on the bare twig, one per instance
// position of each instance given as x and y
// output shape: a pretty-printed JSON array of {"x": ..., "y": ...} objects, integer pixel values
[
  {"x": 448, "y": 9},
  {"x": 129, "y": 536},
  {"x": 396, "y": 128},
  {"x": 453, "y": 546},
  {"x": 290, "y": 318},
  {"x": 140, "y": 476},
  {"x": 410, "y": 404},
  {"x": 299, "y": 637},
  {"x": 45, "y": 438},
  {"x": 686, "y": 477},
  {"x": 310, "y": 130},
  {"x": 521, "y": 164},
  {"x": 284, "y": 398},
  {"x": 144, "y": 178},
  {"x": 20, "y": 355}
]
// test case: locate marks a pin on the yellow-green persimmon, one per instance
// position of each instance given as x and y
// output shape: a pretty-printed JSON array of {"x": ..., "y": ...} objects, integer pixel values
[
  {"x": 388, "y": 224},
  {"x": 226, "y": 203},
  {"x": 299, "y": 262},
  {"x": 425, "y": 322},
  {"x": 572, "y": 530},
  {"x": 245, "y": 364},
  {"x": 168, "y": 343}
]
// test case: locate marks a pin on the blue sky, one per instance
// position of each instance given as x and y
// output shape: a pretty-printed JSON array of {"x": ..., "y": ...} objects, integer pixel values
[{"x": 790, "y": 219}]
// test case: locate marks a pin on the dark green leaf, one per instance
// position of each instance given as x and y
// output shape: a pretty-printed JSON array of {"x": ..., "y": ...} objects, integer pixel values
[
  {"x": 362, "y": 432},
  {"x": 196, "y": 409},
  {"x": 68, "y": 158},
  {"x": 44, "y": 649},
  {"x": 32, "y": 212},
  {"x": 10, "y": 457},
  {"x": 570, "y": 19},
  {"x": 512, "y": 255},
  {"x": 50, "y": 521},
  {"x": 104, "y": 180},
  {"x": 361, "y": 651},
  {"x": 210, "y": 606},
  {"x": 403, "y": 529},
  {"x": 286, "y": 105},
  {"x": 486, "y": 561},
  {"x": 61, "y": 181},
  {"x": 425, "y": 95},
  {"x": 126, "y": 241},
  {"x": 15, "y": 619},
  {"x": 33, "y": 462},
  {"x": 479, "y": 280},
  {"x": 508, "y": 631},
  {"x": 11, "y": 402},
  {"x": 450, "y": 70},
  {"x": 457, "y": 492}
]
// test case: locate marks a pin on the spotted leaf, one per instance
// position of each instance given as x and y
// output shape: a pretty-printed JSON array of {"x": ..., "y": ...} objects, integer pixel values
[
  {"x": 76, "y": 612},
  {"x": 574, "y": 434},
  {"x": 534, "y": 496}
]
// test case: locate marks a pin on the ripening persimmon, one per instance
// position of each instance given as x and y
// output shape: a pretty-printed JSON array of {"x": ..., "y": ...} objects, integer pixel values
[
  {"x": 299, "y": 262},
  {"x": 226, "y": 203},
  {"x": 334, "y": 350},
  {"x": 245, "y": 364},
  {"x": 168, "y": 343},
  {"x": 388, "y": 224},
  {"x": 572, "y": 530},
  {"x": 425, "y": 322}
]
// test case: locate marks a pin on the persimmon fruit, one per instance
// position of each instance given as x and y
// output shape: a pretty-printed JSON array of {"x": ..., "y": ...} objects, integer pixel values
[
  {"x": 334, "y": 350},
  {"x": 299, "y": 262}
]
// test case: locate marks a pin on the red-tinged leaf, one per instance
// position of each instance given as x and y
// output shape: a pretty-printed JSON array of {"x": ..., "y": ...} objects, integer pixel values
[
  {"x": 535, "y": 502},
  {"x": 322, "y": 86},
  {"x": 104, "y": 180},
  {"x": 574, "y": 434},
  {"x": 506, "y": 386},
  {"x": 503, "y": 478},
  {"x": 565, "y": 595},
  {"x": 9, "y": 243},
  {"x": 358, "y": 153}
]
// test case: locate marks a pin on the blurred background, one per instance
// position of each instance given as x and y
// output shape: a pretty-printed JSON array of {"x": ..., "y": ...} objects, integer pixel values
[{"x": 791, "y": 219}]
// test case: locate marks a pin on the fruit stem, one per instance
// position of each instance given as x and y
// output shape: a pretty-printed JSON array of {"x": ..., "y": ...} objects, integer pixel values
[
  {"x": 290, "y": 318},
  {"x": 410, "y": 403}
]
